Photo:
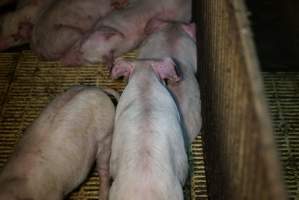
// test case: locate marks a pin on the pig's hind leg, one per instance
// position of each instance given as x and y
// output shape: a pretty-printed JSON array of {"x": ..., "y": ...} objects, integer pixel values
[{"x": 103, "y": 158}]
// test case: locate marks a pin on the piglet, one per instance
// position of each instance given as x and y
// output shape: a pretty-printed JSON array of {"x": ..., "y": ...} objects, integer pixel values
[
  {"x": 16, "y": 27},
  {"x": 148, "y": 159},
  {"x": 124, "y": 29},
  {"x": 58, "y": 150},
  {"x": 64, "y": 23},
  {"x": 178, "y": 41}
]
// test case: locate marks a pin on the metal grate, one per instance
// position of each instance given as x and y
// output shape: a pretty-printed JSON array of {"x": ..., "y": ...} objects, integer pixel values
[
  {"x": 33, "y": 83},
  {"x": 7, "y": 68},
  {"x": 198, "y": 180},
  {"x": 282, "y": 89}
]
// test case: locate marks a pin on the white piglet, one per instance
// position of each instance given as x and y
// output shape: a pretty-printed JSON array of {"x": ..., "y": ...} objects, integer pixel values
[
  {"x": 59, "y": 148},
  {"x": 178, "y": 41},
  {"x": 148, "y": 159}
]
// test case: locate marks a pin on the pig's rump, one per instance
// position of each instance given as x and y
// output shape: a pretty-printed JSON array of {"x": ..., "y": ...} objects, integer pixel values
[
  {"x": 148, "y": 165},
  {"x": 59, "y": 148}
]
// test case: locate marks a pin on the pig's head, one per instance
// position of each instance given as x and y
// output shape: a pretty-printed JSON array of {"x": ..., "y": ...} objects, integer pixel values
[
  {"x": 165, "y": 68},
  {"x": 180, "y": 37},
  {"x": 100, "y": 45}
]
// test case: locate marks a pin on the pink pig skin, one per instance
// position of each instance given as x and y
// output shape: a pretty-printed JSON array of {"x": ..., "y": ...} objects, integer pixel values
[
  {"x": 148, "y": 159},
  {"x": 64, "y": 23},
  {"x": 16, "y": 26},
  {"x": 123, "y": 30},
  {"x": 177, "y": 41},
  {"x": 58, "y": 150}
]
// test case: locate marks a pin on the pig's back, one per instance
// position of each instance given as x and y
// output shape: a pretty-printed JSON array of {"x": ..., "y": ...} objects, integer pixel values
[{"x": 148, "y": 134}]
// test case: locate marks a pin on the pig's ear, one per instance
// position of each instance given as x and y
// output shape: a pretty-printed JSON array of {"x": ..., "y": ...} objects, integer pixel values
[
  {"x": 154, "y": 25},
  {"x": 121, "y": 68},
  {"x": 166, "y": 69},
  {"x": 190, "y": 29}
]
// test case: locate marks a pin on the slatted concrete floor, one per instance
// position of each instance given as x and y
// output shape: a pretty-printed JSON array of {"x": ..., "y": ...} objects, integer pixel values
[
  {"x": 27, "y": 85},
  {"x": 282, "y": 89}
]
